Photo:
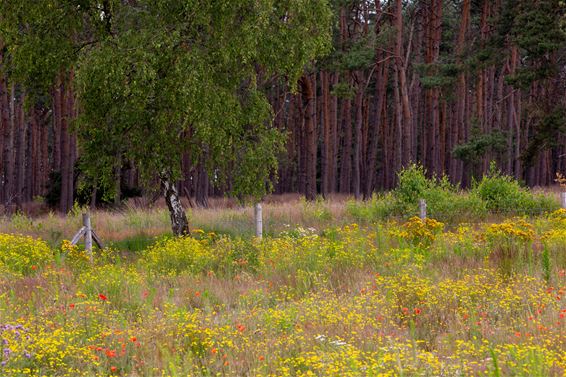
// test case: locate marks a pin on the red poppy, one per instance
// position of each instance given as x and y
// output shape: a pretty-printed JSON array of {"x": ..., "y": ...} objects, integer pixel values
[
  {"x": 133, "y": 339},
  {"x": 113, "y": 369},
  {"x": 110, "y": 353},
  {"x": 102, "y": 297},
  {"x": 34, "y": 267},
  {"x": 417, "y": 311},
  {"x": 241, "y": 328},
  {"x": 72, "y": 306}
]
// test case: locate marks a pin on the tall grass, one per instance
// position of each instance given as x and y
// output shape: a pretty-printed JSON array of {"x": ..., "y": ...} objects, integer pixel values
[{"x": 395, "y": 297}]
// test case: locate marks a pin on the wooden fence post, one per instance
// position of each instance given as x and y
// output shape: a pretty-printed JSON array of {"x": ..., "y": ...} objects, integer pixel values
[
  {"x": 258, "y": 221},
  {"x": 88, "y": 234},
  {"x": 422, "y": 209},
  {"x": 563, "y": 199}
]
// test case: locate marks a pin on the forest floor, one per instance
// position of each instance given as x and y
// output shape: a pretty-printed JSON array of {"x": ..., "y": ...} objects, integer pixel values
[{"x": 325, "y": 293}]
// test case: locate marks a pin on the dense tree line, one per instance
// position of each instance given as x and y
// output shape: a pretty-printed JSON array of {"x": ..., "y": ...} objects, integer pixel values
[{"x": 452, "y": 84}]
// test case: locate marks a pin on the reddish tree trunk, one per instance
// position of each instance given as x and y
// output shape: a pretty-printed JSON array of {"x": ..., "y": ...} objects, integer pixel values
[
  {"x": 309, "y": 138},
  {"x": 346, "y": 153}
]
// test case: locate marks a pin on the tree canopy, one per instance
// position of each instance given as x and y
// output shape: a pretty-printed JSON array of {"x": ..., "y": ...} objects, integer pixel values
[{"x": 156, "y": 79}]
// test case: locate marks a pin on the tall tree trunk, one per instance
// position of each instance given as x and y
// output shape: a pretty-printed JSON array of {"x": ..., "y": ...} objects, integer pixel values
[
  {"x": 346, "y": 155},
  {"x": 406, "y": 121},
  {"x": 8, "y": 152},
  {"x": 462, "y": 91},
  {"x": 6, "y": 130},
  {"x": 326, "y": 149},
  {"x": 309, "y": 136},
  {"x": 21, "y": 154},
  {"x": 179, "y": 222},
  {"x": 333, "y": 154},
  {"x": 357, "y": 158},
  {"x": 65, "y": 156},
  {"x": 381, "y": 78}
]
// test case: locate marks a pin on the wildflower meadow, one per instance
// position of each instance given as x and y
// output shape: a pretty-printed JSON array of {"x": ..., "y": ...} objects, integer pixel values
[{"x": 398, "y": 297}]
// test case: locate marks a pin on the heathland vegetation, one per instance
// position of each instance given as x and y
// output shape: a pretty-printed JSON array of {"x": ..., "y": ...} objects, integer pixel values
[
  {"x": 335, "y": 288},
  {"x": 197, "y": 100}
]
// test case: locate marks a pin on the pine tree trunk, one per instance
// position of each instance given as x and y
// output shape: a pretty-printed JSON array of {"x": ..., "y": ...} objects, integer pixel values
[
  {"x": 57, "y": 116},
  {"x": 346, "y": 155},
  {"x": 8, "y": 152},
  {"x": 406, "y": 121},
  {"x": 462, "y": 91},
  {"x": 309, "y": 137},
  {"x": 326, "y": 149},
  {"x": 20, "y": 154},
  {"x": 333, "y": 154},
  {"x": 64, "y": 206},
  {"x": 5, "y": 130},
  {"x": 356, "y": 158}
]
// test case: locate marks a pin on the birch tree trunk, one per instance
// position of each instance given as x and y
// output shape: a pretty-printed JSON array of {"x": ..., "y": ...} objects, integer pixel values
[{"x": 179, "y": 222}]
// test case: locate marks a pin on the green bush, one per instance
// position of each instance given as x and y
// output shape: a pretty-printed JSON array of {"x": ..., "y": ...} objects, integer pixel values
[
  {"x": 445, "y": 202},
  {"x": 504, "y": 195},
  {"x": 495, "y": 193}
]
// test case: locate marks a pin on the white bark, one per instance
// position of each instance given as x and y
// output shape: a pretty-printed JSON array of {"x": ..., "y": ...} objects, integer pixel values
[{"x": 179, "y": 222}]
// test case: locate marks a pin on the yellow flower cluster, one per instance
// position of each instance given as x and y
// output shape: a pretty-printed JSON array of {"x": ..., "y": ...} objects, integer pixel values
[
  {"x": 421, "y": 232},
  {"x": 23, "y": 254},
  {"x": 513, "y": 229}
]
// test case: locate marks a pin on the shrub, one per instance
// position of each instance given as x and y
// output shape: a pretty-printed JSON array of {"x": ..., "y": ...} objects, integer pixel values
[
  {"x": 444, "y": 201},
  {"x": 23, "y": 254},
  {"x": 503, "y": 194}
]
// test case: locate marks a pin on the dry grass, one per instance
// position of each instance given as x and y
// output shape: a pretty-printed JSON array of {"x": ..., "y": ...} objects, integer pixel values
[{"x": 135, "y": 220}]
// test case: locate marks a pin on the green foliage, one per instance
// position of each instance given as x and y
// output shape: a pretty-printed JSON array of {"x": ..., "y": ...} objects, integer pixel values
[
  {"x": 438, "y": 75},
  {"x": 444, "y": 201},
  {"x": 343, "y": 90},
  {"x": 23, "y": 254},
  {"x": 156, "y": 79},
  {"x": 360, "y": 55},
  {"x": 536, "y": 29},
  {"x": 495, "y": 193},
  {"x": 503, "y": 194},
  {"x": 548, "y": 130},
  {"x": 480, "y": 144}
]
